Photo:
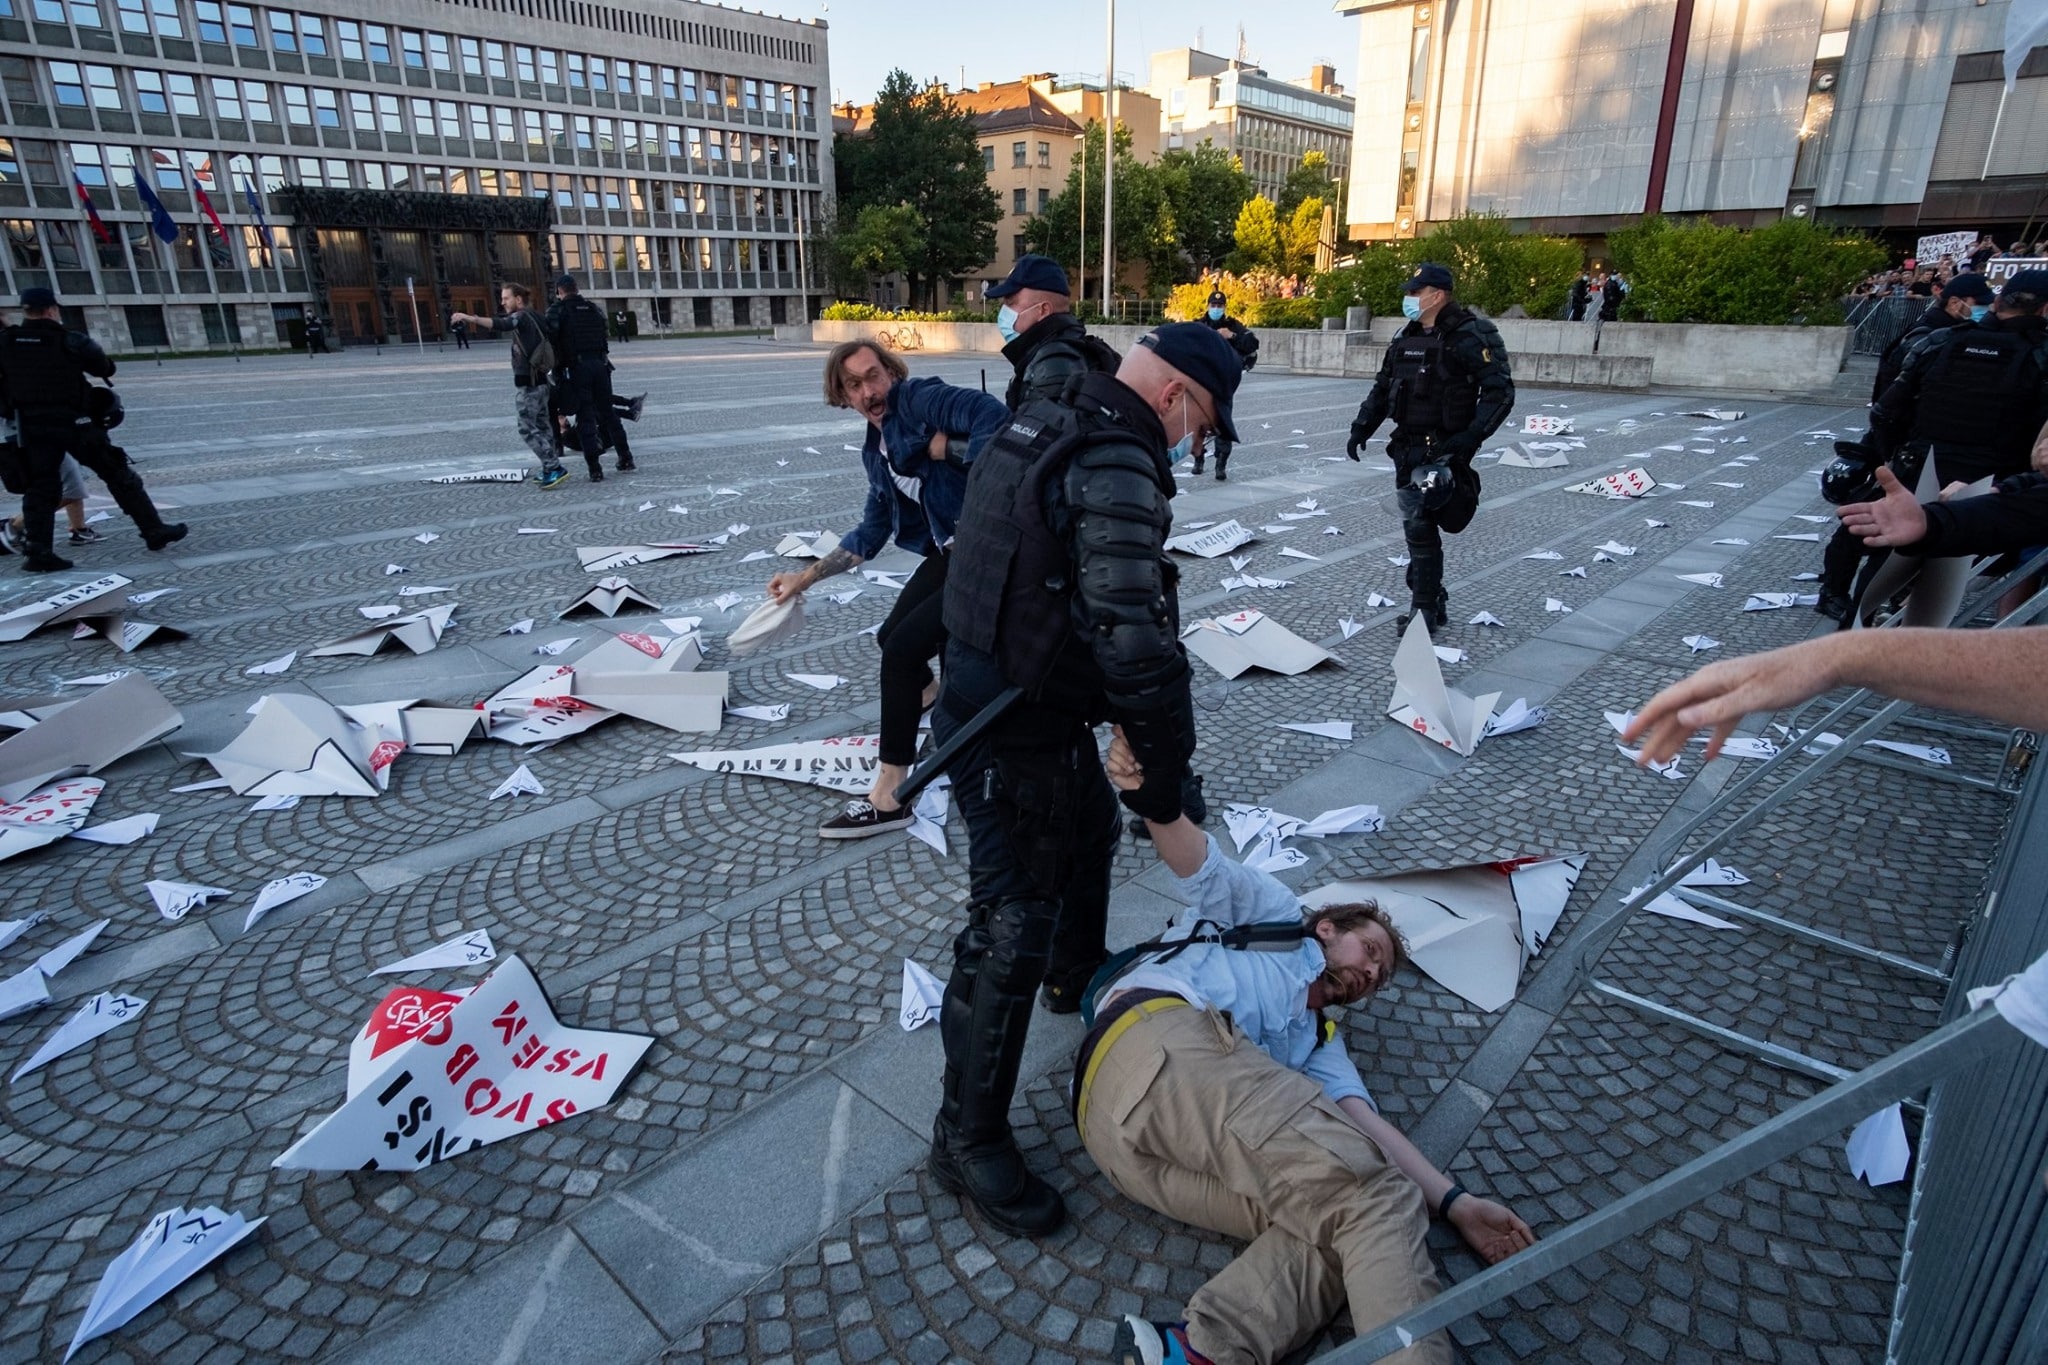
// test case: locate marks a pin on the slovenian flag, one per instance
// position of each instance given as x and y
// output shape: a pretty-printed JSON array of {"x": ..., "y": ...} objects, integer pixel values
[
  {"x": 92, "y": 213},
  {"x": 206, "y": 207}
]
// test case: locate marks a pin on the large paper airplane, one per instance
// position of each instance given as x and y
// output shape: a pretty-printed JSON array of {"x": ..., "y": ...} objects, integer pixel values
[
  {"x": 103, "y": 1013},
  {"x": 640, "y": 675},
  {"x": 299, "y": 745},
  {"x": 86, "y": 735},
  {"x": 434, "y": 729},
  {"x": 1251, "y": 639},
  {"x": 1424, "y": 703},
  {"x": 177, "y": 1244},
  {"x": 30, "y": 986},
  {"x": 100, "y": 607},
  {"x": 1211, "y": 541},
  {"x": 418, "y": 632},
  {"x": 47, "y": 815},
  {"x": 500, "y": 1065},
  {"x": 610, "y": 597}
]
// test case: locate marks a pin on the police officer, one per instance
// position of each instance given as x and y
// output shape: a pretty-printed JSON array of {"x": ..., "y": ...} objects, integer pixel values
[
  {"x": 1242, "y": 340},
  {"x": 1044, "y": 342},
  {"x": 1062, "y": 612},
  {"x": 1966, "y": 298},
  {"x": 43, "y": 371},
  {"x": 1445, "y": 381},
  {"x": 577, "y": 328}
]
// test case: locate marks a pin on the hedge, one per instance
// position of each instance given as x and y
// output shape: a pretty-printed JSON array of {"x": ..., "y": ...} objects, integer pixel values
[{"x": 1789, "y": 273}]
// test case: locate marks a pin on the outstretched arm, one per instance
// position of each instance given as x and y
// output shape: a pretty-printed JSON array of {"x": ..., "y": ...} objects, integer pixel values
[
  {"x": 1490, "y": 1229},
  {"x": 1182, "y": 845}
]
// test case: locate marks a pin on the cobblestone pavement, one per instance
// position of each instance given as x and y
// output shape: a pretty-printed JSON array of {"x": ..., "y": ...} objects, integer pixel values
[{"x": 755, "y": 1193}]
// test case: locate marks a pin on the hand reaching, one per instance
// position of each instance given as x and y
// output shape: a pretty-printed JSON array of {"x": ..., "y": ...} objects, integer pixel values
[
  {"x": 785, "y": 585},
  {"x": 1718, "y": 696},
  {"x": 1490, "y": 1229},
  {"x": 1896, "y": 518}
]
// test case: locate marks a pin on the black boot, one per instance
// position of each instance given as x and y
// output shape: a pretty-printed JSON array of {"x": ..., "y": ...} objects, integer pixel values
[
  {"x": 596, "y": 469},
  {"x": 163, "y": 534}
]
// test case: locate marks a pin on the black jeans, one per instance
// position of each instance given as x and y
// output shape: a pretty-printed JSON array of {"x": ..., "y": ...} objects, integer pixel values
[
  {"x": 911, "y": 638},
  {"x": 590, "y": 396},
  {"x": 45, "y": 441}
]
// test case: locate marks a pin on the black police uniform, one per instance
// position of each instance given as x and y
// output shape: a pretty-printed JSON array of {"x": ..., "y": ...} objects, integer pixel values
[
  {"x": 1974, "y": 396},
  {"x": 1049, "y": 353},
  {"x": 1061, "y": 587},
  {"x": 1447, "y": 388},
  {"x": 1581, "y": 295},
  {"x": 43, "y": 369},
  {"x": 576, "y": 326},
  {"x": 1246, "y": 343},
  {"x": 1611, "y": 294}
]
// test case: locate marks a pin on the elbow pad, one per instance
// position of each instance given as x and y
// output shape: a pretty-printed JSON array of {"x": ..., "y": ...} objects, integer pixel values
[{"x": 1119, "y": 519}]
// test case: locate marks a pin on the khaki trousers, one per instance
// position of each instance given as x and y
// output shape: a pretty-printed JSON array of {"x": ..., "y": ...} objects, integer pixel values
[{"x": 1187, "y": 1116}]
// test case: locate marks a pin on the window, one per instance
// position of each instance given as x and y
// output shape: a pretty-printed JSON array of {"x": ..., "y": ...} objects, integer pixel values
[
  {"x": 298, "y": 105},
  {"x": 85, "y": 161},
  {"x": 550, "y": 67},
  {"x": 149, "y": 93},
  {"x": 1017, "y": 200},
  {"x": 227, "y": 98},
  {"x": 607, "y": 136},
  {"x": 350, "y": 35},
  {"x": 643, "y": 78},
  {"x": 242, "y": 25},
  {"x": 589, "y": 188},
  {"x": 414, "y": 44},
  {"x": 1045, "y": 154},
  {"x": 693, "y": 141},
  {"x": 1044, "y": 200},
  {"x": 583, "y": 137},
  {"x": 600, "y": 79},
  {"x": 472, "y": 57},
  {"x": 326, "y": 108},
  {"x": 1018, "y": 246},
  {"x": 494, "y": 61},
  {"x": 522, "y": 62},
  {"x": 212, "y": 23},
  {"x": 438, "y": 55},
  {"x": 284, "y": 35},
  {"x": 1017, "y": 154},
  {"x": 312, "y": 35},
  {"x": 359, "y": 111},
  {"x": 672, "y": 139},
  {"x": 449, "y": 114},
  {"x": 531, "y": 119},
  {"x": 671, "y": 87},
  {"x": 988, "y": 158},
  {"x": 83, "y": 13},
  {"x": 141, "y": 16},
  {"x": 170, "y": 175},
  {"x": 578, "y": 77},
  {"x": 387, "y": 114},
  {"x": 379, "y": 39},
  {"x": 479, "y": 123},
  {"x": 558, "y": 129},
  {"x": 184, "y": 94},
  {"x": 256, "y": 95},
  {"x": 750, "y": 94},
  {"x": 422, "y": 117},
  {"x": 502, "y": 118},
  {"x": 69, "y": 81},
  {"x": 690, "y": 86},
  {"x": 612, "y": 199}
]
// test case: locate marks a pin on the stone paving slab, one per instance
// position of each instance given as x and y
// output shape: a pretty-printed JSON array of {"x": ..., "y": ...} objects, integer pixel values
[{"x": 755, "y": 1192}]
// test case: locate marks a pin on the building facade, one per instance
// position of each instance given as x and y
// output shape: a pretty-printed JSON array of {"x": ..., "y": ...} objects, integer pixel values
[
  {"x": 1027, "y": 147},
  {"x": 1271, "y": 124},
  {"x": 387, "y": 163},
  {"x": 1580, "y": 116}
]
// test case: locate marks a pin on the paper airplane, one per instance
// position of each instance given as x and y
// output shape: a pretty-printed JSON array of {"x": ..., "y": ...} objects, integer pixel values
[
  {"x": 1289, "y": 552},
  {"x": 1719, "y": 484},
  {"x": 1250, "y": 639},
  {"x": 1333, "y": 530},
  {"x": 390, "y": 569},
  {"x": 1877, "y": 1148},
  {"x": 299, "y": 745},
  {"x": 1485, "y": 618},
  {"x": 1398, "y": 561},
  {"x": 281, "y": 801},
  {"x": 1812, "y": 536},
  {"x": 842, "y": 598},
  {"x": 1813, "y": 517},
  {"x": 174, "y": 900},
  {"x": 726, "y": 601},
  {"x": 177, "y": 1244},
  {"x": 1730, "y": 540},
  {"x": 96, "y": 679},
  {"x": 1449, "y": 654},
  {"x": 282, "y": 891},
  {"x": 1578, "y": 571},
  {"x": 85, "y": 736},
  {"x": 277, "y": 665},
  {"x": 1716, "y": 415},
  {"x": 1688, "y": 502},
  {"x": 421, "y": 591},
  {"x": 1516, "y": 716},
  {"x": 1744, "y": 747},
  {"x": 1555, "y": 606},
  {"x": 1273, "y": 858},
  {"x": 1377, "y": 599},
  {"x": 47, "y": 815},
  {"x": 679, "y": 509},
  {"x": 928, "y": 817},
  {"x": 644, "y": 676},
  {"x": 469, "y": 950},
  {"x": 418, "y": 633},
  {"x": 1471, "y": 929},
  {"x": 523, "y": 626},
  {"x": 1700, "y": 643},
  {"x": 1544, "y": 554},
  {"x": 1327, "y": 729},
  {"x": 767, "y": 713},
  {"x": 738, "y": 528},
  {"x": 93, "y": 604},
  {"x": 554, "y": 647},
  {"x": 1298, "y": 446},
  {"x": 1536, "y": 424},
  {"x": 610, "y": 597},
  {"x": 798, "y": 545},
  {"x": 603, "y": 558},
  {"x": 768, "y": 624},
  {"x": 1616, "y": 548},
  {"x": 30, "y": 986},
  {"x": 1674, "y": 907},
  {"x": 845, "y": 764},
  {"x": 12, "y": 929},
  {"x": 734, "y": 492},
  {"x": 1422, "y": 702},
  {"x": 922, "y": 995},
  {"x": 538, "y": 530},
  {"x": 380, "y": 613},
  {"x": 1254, "y": 581},
  {"x": 101, "y": 1014},
  {"x": 481, "y": 476},
  {"x": 1343, "y": 820},
  {"x": 824, "y": 682},
  {"x": 1667, "y": 769},
  {"x": 119, "y": 832},
  {"x": 1348, "y": 626},
  {"x": 1239, "y": 561},
  {"x": 1523, "y": 455},
  {"x": 1655, "y": 524},
  {"x": 1705, "y": 580},
  {"x": 443, "y": 1082},
  {"x": 427, "y": 537},
  {"x": 140, "y": 598},
  {"x": 522, "y": 782},
  {"x": 750, "y": 556},
  {"x": 1216, "y": 540}
]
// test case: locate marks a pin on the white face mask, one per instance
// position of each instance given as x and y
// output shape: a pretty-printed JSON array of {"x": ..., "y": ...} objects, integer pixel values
[
  {"x": 1411, "y": 308},
  {"x": 1006, "y": 322}
]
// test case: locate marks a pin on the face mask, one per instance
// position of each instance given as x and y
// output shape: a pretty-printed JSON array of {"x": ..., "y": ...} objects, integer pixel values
[
  {"x": 1185, "y": 446},
  {"x": 1006, "y": 322},
  {"x": 1215, "y": 315},
  {"x": 1411, "y": 308},
  {"x": 1979, "y": 312}
]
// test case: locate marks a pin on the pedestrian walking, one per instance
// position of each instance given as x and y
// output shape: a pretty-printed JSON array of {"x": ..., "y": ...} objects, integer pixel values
[{"x": 533, "y": 364}]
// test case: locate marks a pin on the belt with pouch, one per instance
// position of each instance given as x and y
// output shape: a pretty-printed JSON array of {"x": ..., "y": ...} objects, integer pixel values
[{"x": 1111, "y": 1025}]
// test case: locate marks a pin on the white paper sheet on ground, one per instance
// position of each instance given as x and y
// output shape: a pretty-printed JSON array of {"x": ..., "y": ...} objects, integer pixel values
[
  {"x": 380, "y": 613},
  {"x": 842, "y": 598},
  {"x": 417, "y": 633},
  {"x": 1250, "y": 639},
  {"x": 738, "y": 528},
  {"x": 1450, "y": 655},
  {"x": 427, "y": 537},
  {"x": 1806, "y": 578},
  {"x": 750, "y": 556},
  {"x": 768, "y": 624},
  {"x": 1700, "y": 643},
  {"x": 1333, "y": 530},
  {"x": 480, "y": 476},
  {"x": 1543, "y": 554},
  {"x": 1377, "y": 599},
  {"x": 1348, "y": 626},
  {"x": 277, "y": 665},
  {"x": 1743, "y": 748},
  {"x": 286, "y": 801},
  {"x": 1254, "y": 581},
  {"x": 30, "y": 987},
  {"x": 1778, "y": 601},
  {"x": 538, "y": 530},
  {"x": 1716, "y": 415},
  {"x": 1343, "y": 820},
  {"x": 102, "y": 597},
  {"x": 1603, "y": 558},
  {"x": 1471, "y": 929},
  {"x": 1327, "y": 729},
  {"x": 1516, "y": 716},
  {"x": 151, "y": 595},
  {"x": 1271, "y": 857},
  {"x": 645, "y": 507},
  {"x": 686, "y": 702},
  {"x": 1813, "y": 536},
  {"x": 1719, "y": 484},
  {"x": 768, "y": 713},
  {"x": 462, "y": 1085},
  {"x": 1276, "y": 530},
  {"x": 174, "y": 900},
  {"x": 886, "y": 578},
  {"x": 1422, "y": 702},
  {"x": 1211, "y": 541},
  {"x": 679, "y": 509},
  {"x": 1690, "y": 502},
  {"x": 1613, "y": 547},
  {"x": 1523, "y": 455},
  {"x": 282, "y": 891},
  {"x": 1539, "y": 424},
  {"x": 119, "y": 832},
  {"x": 47, "y": 815},
  {"x": 798, "y": 545},
  {"x": 1656, "y": 525},
  {"x": 1245, "y": 823},
  {"x": 922, "y": 995},
  {"x": 469, "y": 950},
  {"x": 211, "y": 784},
  {"x": 1629, "y": 483},
  {"x": 1705, "y": 580},
  {"x": 1675, "y": 907},
  {"x": 734, "y": 492},
  {"x": 824, "y": 682},
  {"x": 554, "y": 647},
  {"x": 1877, "y": 1147},
  {"x": 12, "y": 929},
  {"x": 603, "y": 558},
  {"x": 1289, "y": 552},
  {"x": 177, "y": 1244},
  {"x": 1730, "y": 540},
  {"x": 928, "y": 817},
  {"x": 390, "y": 569},
  {"x": 86, "y": 735},
  {"x": 523, "y": 626},
  {"x": 96, "y": 679},
  {"x": 101, "y": 1014},
  {"x": 299, "y": 745},
  {"x": 844, "y": 764},
  {"x": 726, "y": 601},
  {"x": 1668, "y": 769},
  {"x": 522, "y": 782},
  {"x": 610, "y": 597}
]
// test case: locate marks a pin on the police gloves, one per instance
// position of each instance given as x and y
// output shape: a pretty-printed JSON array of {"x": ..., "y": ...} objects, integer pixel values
[
  {"x": 1360, "y": 434},
  {"x": 1158, "y": 800},
  {"x": 1460, "y": 447}
]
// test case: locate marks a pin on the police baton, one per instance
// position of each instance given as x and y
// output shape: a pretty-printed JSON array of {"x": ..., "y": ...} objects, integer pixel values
[{"x": 943, "y": 756}]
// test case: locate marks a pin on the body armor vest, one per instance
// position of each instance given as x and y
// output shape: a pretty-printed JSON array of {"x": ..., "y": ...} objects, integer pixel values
[
  {"x": 1982, "y": 396},
  {"x": 583, "y": 330},
  {"x": 43, "y": 376},
  {"x": 1428, "y": 399}
]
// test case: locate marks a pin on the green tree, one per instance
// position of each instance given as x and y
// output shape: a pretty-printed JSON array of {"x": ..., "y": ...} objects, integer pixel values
[
  {"x": 1206, "y": 187},
  {"x": 884, "y": 239},
  {"x": 1312, "y": 179},
  {"x": 1147, "y": 219},
  {"x": 1298, "y": 238},
  {"x": 920, "y": 152},
  {"x": 1257, "y": 235}
]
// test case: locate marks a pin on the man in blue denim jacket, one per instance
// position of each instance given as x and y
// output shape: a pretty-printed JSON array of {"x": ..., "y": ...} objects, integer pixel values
[{"x": 922, "y": 436}]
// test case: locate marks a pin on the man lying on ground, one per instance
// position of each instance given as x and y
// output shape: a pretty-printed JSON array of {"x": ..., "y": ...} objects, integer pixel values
[{"x": 1211, "y": 1088}]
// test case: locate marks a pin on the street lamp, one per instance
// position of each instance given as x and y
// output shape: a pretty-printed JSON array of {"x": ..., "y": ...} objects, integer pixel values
[{"x": 1082, "y": 255}]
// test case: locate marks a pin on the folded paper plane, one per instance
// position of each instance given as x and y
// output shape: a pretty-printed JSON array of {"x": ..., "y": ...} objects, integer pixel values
[
  {"x": 102, "y": 597},
  {"x": 492, "y": 1065},
  {"x": 119, "y": 832},
  {"x": 47, "y": 814},
  {"x": 380, "y": 613},
  {"x": 824, "y": 682},
  {"x": 418, "y": 632},
  {"x": 1543, "y": 554},
  {"x": 1877, "y": 1148},
  {"x": 1515, "y": 716},
  {"x": 1555, "y": 606},
  {"x": 174, "y": 900},
  {"x": 768, "y": 624},
  {"x": 610, "y": 597},
  {"x": 84, "y": 736},
  {"x": 1250, "y": 639},
  {"x": 845, "y": 764},
  {"x": 1289, "y": 552},
  {"x": 928, "y": 817},
  {"x": 1485, "y": 618},
  {"x": 390, "y": 569},
  {"x": 299, "y": 745},
  {"x": 1348, "y": 626},
  {"x": 797, "y": 545},
  {"x": 1537, "y": 424},
  {"x": 1472, "y": 929},
  {"x": 1705, "y": 580},
  {"x": 1700, "y": 643},
  {"x": 1422, "y": 702},
  {"x": 645, "y": 676},
  {"x": 603, "y": 558},
  {"x": 101, "y": 1014},
  {"x": 468, "y": 951},
  {"x": 768, "y": 713},
  {"x": 1716, "y": 415},
  {"x": 421, "y": 591},
  {"x": 1327, "y": 729},
  {"x": 30, "y": 986},
  {"x": 272, "y": 666},
  {"x": 922, "y": 994},
  {"x": 521, "y": 783},
  {"x": 1378, "y": 599},
  {"x": 177, "y": 1244},
  {"x": 427, "y": 728},
  {"x": 1521, "y": 455},
  {"x": 282, "y": 891},
  {"x": 427, "y": 537}
]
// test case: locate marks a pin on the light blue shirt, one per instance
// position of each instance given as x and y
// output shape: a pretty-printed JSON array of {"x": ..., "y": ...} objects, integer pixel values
[{"x": 1264, "y": 992}]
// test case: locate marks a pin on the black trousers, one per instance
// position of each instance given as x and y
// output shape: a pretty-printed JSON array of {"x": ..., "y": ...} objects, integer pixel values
[
  {"x": 45, "y": 441},
  {"x": 911, "y": 638},
  {"x": 589, "y": 392}
]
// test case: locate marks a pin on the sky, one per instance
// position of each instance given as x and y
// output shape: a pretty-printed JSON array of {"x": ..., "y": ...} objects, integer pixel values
[{"x": 1000, "y": 42}]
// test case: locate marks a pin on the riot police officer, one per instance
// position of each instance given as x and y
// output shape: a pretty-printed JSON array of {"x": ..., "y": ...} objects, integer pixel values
[
  {"x": 1445, "y": 381},
  {"x": 1245, "y": 342},
  {"x": 44, "y": 371},
  {"x": 1062, "y": 613},
  {"x": 1044, "y": 342},
  {"x": 577, "y": 328}
]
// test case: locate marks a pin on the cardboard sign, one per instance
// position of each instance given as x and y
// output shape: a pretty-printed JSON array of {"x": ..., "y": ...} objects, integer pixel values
[
  {"x": 499, "y": 1064},
  {"x": 1629, "y": 483},
  {"x": 846, "y": 764},
  {"x": 1998, "y": 272},
  {"x": 1541, "y": 424},
  {"x": 1930, "y": 249}
]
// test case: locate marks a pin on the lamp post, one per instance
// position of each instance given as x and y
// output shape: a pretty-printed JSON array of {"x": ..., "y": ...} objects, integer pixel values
[
  {"x": 1082, "y": 254},
  {"x": 1109, "y": 167}
]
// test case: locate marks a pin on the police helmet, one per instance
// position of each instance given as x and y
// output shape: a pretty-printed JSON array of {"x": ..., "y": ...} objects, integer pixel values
[
  {"x": 1850, "y": 477},
  {"x": 1434, "y": 483},
  {"x": 104, "y": 407}
]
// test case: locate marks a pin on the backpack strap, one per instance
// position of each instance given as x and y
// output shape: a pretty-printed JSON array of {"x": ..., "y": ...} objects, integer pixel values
[{"x": 1267, "y": 936}]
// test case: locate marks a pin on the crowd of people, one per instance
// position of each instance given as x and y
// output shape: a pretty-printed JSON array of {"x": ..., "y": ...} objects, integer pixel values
[{"x": 1924, "y": 279}]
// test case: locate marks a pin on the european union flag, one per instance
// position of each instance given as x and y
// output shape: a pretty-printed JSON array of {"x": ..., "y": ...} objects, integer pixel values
[{"x": 159, "y": 217}]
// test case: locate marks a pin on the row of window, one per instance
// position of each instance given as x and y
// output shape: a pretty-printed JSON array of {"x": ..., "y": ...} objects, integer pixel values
[
  {"x": 1017, "y": 157},
  {"x": 424, "y": 50},
  {"x": 1018, "y": 200},
  {"x": 577, "y": 252}
]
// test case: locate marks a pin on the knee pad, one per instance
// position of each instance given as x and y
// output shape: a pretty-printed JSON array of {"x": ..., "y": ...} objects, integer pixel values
[{"x": 1017, "y": 934}]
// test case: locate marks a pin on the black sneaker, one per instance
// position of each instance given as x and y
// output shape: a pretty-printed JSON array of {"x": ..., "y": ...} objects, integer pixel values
[
  {"x": 85, "y": 535},
  {"x": 164, "y": 535},
  {"x": 44, "y": 563},
  {"x": 1833, "y": 605},
  {"x": 626, "y": 465},
  {"x": 636, "y": 405},
  {"x": 863, "y": 817}
]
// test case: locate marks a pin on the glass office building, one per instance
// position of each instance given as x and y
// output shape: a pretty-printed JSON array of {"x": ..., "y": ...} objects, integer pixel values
[{"x": 386, "y": 164}]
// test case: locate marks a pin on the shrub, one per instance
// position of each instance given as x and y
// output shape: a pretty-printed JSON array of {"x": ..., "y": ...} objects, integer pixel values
[
  {"x": 1372, "y": 280},
  {"x": 1187, "y": 302},
  {"x": 1287, "y": 313},
  {"x": 1790, "y": 273},
  {"x": 867, "y": 312},
  {"x": 1495, "y": 268}
]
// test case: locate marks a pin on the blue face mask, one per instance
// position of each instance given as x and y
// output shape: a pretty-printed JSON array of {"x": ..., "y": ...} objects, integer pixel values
[
  {"x": 1185, "y": 446},
  {"x": 1215, "y": 315},
  {"x": 1979, "y": 312},
  {"x": 1006, "y": 322},
  {"x": 1411, "y": 308}
]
